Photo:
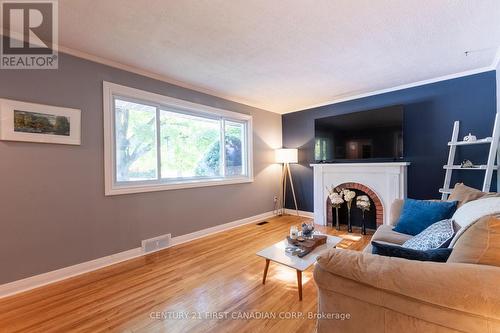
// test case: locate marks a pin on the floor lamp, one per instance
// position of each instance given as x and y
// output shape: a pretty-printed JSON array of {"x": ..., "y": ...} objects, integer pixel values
[{"x": 285, "y": 157}]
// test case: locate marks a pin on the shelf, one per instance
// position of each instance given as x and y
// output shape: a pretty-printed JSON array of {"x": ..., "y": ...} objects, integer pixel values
[
  {"x": 477, "y": 167},
  {"x": 445, "y": 190},
  {"x": 466, "y": 143},
  {"x": 459, "y": 167}
]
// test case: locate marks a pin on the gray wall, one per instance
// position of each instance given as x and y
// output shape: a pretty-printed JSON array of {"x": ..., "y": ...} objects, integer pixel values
[{"x": 53, "y": 209}]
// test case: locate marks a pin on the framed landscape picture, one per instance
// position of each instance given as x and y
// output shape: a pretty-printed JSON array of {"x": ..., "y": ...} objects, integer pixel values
[{"x": 30, "y": 122}]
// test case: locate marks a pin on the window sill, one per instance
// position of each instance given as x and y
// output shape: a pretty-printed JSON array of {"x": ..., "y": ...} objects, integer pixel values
[{"x": 142, "y": 188}]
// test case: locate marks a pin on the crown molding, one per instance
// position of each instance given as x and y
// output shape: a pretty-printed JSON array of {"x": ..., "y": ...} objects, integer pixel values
[
  {"x": 396, "y": 88},
  {"x": 166, "y": 79},
  {"x": 139, "y": 71},
  {"x": 152, "y": 75},
  {"x": 496, "y": 62}
]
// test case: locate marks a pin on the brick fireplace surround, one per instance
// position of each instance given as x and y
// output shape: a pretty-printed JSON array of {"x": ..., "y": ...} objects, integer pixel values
[
  {"x": 382, "y": 182},
  {"x": 379, "y": 209}
]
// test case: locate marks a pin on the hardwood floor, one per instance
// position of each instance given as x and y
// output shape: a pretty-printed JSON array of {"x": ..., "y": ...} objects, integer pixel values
[{"x": 218, "y": 275}]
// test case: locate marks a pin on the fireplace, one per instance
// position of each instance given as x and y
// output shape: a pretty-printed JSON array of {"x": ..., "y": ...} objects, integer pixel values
[
  {"x": 381, "y": 182},
  {"x": 372, "y": 218}
]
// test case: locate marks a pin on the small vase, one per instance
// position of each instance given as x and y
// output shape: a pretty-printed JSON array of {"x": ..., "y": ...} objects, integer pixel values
[
  {"x": 349, "y": 226},
  {"x": 337, "y": 224},
  {"x": 363, "y": 226}
]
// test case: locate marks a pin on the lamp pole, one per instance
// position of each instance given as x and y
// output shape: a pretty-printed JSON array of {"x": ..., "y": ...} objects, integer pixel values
[
  {"x": 287, "y": 167},
  {"x": 285, "y": 157}
]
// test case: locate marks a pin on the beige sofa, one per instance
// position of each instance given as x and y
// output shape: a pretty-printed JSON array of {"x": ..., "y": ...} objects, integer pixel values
[{"x": 385, "y": 294}]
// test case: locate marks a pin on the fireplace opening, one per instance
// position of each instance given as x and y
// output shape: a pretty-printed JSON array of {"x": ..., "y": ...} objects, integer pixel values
[{"x": 372, "y": 218}]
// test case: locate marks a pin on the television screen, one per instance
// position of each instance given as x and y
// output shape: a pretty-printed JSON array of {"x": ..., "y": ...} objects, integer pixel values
[{"x": 375, "y": 135}]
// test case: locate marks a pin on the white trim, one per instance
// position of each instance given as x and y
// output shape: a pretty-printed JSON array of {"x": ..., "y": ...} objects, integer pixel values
[
  {"x": 131, "y": 188},
  {"x": 43, "y": 279},
  {"x": 396, "y": 88},
  {"x": 496, "y": 61},
  {"x": 302, "y": 213},
  {"x": 113, "y": 88},
  {"x": 369, "y": 164},
  {"x": 151, "y": 75},
  {"x": 111, "y": 188},
  {"x": 40, "y": 280},
  {"x": 218, "y": 228},
  {"x": 496, "y": 64},
  {"x": 386, "y": 180},
  {"x": 133, "y": 69},
  {"x": 164, "y": 78}
]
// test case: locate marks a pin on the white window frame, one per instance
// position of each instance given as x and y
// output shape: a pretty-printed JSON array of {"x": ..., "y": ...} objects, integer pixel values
[{"x": 112, "y": 187}]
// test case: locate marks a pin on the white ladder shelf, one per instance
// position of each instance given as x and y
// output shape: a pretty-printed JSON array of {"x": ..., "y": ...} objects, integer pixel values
[{"x": 489, "y": 167}]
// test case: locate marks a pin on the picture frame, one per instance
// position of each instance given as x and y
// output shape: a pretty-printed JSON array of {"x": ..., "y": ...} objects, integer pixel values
[{"x": 31, "y": 122}]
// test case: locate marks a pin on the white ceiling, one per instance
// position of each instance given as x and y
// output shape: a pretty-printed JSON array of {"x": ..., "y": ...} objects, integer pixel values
[{"x": 286, "y": 55}]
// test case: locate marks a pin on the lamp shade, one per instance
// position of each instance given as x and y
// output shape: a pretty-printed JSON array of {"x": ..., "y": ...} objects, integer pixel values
[{"x": 286, "y": 155}]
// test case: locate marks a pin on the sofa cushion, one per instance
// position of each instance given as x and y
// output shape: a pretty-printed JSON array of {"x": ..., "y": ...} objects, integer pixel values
[
  {"x": 390, "y": 250},
  {"x": 417, "y": 215},
  {"x": 463, "y": 194},
  {"x": 435, "y": 236},
  {"x": 471, "y": 212},
  {"x": 454, "y": 290},
  {"x": 396, "y": 208},
  {"x": 480, "y": 244},
  {"x": 385, "y": 233},
  {"x": 369, "y": 305}
]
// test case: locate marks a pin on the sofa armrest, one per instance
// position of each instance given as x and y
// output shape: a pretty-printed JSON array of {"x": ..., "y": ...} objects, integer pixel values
[{"x": 463, "y": 287}]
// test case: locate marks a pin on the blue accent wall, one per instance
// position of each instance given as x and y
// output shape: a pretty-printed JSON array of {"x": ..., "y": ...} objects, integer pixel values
[{"x": 430, "y": 111}]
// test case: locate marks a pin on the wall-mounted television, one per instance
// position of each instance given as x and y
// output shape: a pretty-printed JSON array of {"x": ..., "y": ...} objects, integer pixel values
[{"x": 373, "y": 135}]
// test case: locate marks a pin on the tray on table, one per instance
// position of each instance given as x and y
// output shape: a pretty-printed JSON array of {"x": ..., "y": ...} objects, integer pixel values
[{"x": 308, "y": 244}]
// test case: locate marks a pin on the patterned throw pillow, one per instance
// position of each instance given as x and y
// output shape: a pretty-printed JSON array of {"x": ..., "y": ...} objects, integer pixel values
[{"x": 435, "y": 236}]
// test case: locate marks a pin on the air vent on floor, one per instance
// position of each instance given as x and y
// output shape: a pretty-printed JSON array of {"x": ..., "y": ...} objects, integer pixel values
[
  {"x": 262, "y": 223},
  {"x": 157, "y": 243}
]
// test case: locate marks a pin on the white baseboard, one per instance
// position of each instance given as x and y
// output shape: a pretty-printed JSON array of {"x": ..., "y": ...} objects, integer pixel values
[
  {"x": 43, "y": 279},
  {"x": 218, "y": 228},
  {"x": 302, "y": 213}
]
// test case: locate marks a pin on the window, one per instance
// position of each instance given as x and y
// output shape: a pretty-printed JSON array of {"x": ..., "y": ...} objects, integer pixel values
[{"x": 155, "y": 143}]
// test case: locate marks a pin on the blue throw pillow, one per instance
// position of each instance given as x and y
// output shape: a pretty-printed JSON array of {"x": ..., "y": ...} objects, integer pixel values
[
  {"x": 417, "y": 215},
  {"x": 389, "y": 250}
]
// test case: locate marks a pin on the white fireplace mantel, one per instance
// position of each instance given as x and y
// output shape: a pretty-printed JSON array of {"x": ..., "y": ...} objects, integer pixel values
[{"x": 386, "y": 180}]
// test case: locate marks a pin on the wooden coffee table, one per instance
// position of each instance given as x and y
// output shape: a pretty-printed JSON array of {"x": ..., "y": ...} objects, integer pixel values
[{"x": 276, "y": 253}]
